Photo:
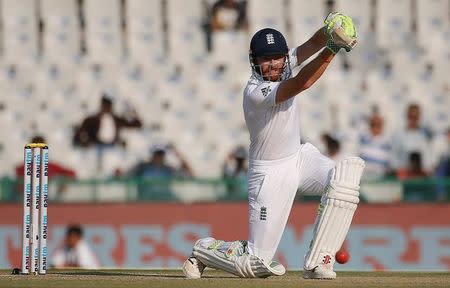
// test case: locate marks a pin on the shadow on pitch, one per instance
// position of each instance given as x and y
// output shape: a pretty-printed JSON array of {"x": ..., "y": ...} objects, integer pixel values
[
  {"x": 101, "y": 273},
  {"x": 122, "y": 273}
]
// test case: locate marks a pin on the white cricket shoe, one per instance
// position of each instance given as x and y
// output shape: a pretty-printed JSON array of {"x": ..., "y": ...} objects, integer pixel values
[
  {"x": 319, "y": 272},
  {"x": 192, "y": 268}
]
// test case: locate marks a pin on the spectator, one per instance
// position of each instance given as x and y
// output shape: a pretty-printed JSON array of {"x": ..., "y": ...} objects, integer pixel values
[
  {"x": 443, "y": 169},
  {"x": 414, "y": 169},
  {"x": 443, "y": 172},
  {"x": 412, "y": 139},
  {"x": 157, "y": 169},
  {"x": 104, "y": 127},
  {"x": 75, "y": 251},
  {"x": 375, "y": 149},
  {"x": 235, "y": 172},
  {"x": 226, "y": 16},
  {"x": 415, "y": 191},
  {"x": 55, "y": 170},
  {"x": 332, "y": 146}
]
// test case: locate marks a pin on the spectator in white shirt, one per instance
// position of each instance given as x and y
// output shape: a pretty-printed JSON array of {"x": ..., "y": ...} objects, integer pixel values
[
  {"x": 412, "y": 139},
  {"x": 375, "y": 149},
  {"x": 75, "y": 251}
]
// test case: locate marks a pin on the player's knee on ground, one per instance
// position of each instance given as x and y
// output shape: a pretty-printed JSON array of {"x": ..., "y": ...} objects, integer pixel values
[{"x": 233, "y": 258}]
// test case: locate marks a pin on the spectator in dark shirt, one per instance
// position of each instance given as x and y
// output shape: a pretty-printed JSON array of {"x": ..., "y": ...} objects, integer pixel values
[
  {"x": 414, "y": 169},
  {"x": 333, "y": 147},
  {"x": 104, "y": 127},
  {"x": 443, "y": 173}
]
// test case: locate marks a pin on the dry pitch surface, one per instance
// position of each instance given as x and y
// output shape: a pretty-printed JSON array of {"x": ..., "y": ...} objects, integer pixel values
[{"x": 174, "y": 278}]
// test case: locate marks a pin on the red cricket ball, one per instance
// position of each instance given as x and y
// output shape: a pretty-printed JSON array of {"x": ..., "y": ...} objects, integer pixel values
[{"x": 342, "y": 256}]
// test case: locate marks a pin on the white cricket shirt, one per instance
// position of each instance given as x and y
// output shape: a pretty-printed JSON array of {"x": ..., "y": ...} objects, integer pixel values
[{"x": 274, "y": 129}]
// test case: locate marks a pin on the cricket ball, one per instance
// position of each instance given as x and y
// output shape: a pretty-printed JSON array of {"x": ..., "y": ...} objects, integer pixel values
[{"x": 342, "y": 256}]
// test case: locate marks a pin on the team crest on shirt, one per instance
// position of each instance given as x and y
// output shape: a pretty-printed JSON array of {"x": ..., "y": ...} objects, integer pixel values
[
  {"x": 263, "y": 214},
  {"x": 265, "y": 91}
]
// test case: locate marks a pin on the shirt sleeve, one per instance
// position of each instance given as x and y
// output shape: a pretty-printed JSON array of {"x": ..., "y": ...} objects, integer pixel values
[{"x": 264, "y": 94}]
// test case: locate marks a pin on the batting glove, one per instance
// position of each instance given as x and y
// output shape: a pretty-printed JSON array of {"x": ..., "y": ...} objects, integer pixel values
[{"x": 341, "y": 32}]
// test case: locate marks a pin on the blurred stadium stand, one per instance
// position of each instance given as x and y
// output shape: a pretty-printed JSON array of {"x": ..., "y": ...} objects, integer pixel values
[{"x": 59, "y": 55}]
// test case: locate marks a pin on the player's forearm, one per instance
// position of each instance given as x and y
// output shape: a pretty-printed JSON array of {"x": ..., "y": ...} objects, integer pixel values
[
  {"x": 305, "y": 78},
  {"x": 312, "y": 46},
  {"x": 319, "y": 39},
  {"x": 314, "y": 70}
]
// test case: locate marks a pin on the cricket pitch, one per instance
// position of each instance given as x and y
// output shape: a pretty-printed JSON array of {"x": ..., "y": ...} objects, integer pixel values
[{"x": 212, "y": 278}]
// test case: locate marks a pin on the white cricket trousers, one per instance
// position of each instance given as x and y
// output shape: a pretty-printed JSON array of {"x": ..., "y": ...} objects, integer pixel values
[{"x": 272, "y": 186}]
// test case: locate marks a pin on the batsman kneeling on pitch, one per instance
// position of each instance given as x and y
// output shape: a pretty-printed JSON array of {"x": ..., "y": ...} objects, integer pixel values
[{"x": 279, "y": 165}]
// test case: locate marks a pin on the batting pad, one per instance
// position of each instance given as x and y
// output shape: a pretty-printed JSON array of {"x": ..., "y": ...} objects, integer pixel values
[
  {"x": 336, "y": 211},
  {"x": 242, "y": 265}
]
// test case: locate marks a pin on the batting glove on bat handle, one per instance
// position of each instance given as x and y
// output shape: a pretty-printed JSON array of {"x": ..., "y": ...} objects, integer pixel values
[
  {"x": 341, "y": 32},
  {"x": 331, "y": 20},
  {"x": 333, "y": 47}
]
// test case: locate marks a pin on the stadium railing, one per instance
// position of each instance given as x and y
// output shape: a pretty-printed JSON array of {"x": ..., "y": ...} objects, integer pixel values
[{"x": 207, "y": 190}]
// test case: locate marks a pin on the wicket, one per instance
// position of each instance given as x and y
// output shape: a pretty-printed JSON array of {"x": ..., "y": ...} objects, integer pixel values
[{"x": 35, "y": 202}]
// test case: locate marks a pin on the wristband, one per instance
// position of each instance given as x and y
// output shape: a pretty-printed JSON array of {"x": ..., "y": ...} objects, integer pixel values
[{"x": 326, "y": 59}]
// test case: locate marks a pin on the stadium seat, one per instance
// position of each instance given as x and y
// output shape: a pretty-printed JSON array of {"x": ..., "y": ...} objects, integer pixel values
[
  {"x": 84, "y": 161},
  {"x": 438, "y": 48},
  {"x": 187, "y": 46},
  {"x": 313, "y": 114},
  {"x": 139, "y": 143},
  {"x": 230, "y": 48},
  {"x": 438, "y": 119},
  {"x": 306, "y": 18},
  {"x": 405, "y": 60},
  {"x": 60, "y": 144},
  {"x": 93, "y": 80},
  {"x": 389, "y": 95},
  {"x": 345, "y": 98},
  {"x": 103, "y": 31},
  {"x": 204, "y": 162},
  {"x": 144, "y": 99},
  {"x": 61, "y": 39},
  {"x": 53, "y": 78},
  {"x": 188, "y": 98},
  {"x": 145, "y": 37},
  {"x": 393, "y": 23},
  {"x": 432, "y": 19},
  {"x": 360, "y": 11},
  {"x": 20, "y": 29},
  {"x": 262, "y": 14},
  {"x": 113, "y": 160},
  {"x": 8, "y": 141}
]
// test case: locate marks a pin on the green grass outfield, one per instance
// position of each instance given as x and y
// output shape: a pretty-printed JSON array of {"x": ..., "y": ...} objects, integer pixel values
[{"x": 174, "y": 278}]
